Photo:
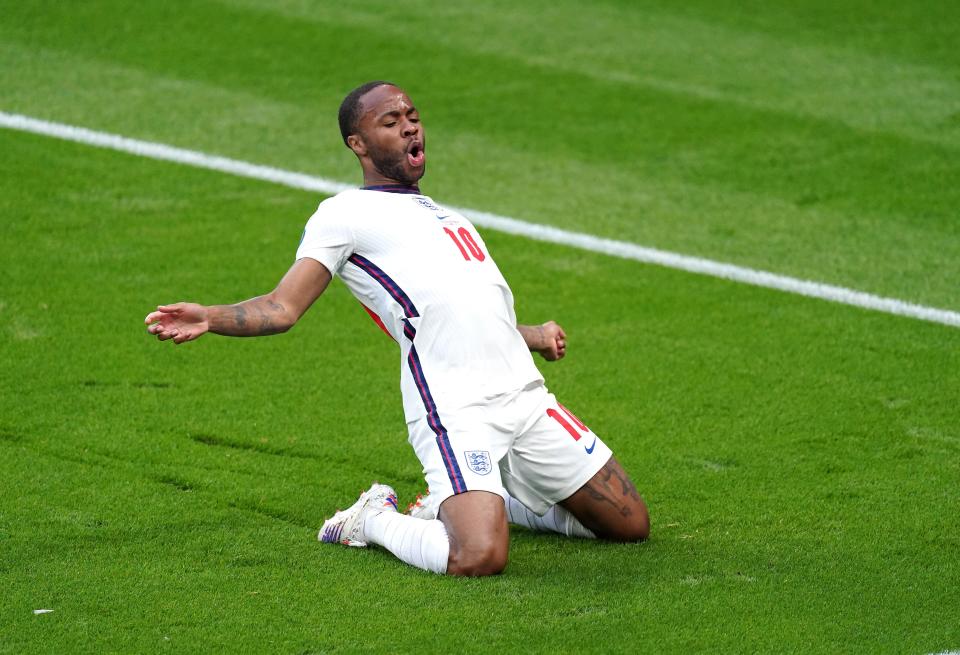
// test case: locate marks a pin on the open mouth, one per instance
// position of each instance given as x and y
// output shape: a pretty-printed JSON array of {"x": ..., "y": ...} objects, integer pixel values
[{"x": 416, "y": 154}]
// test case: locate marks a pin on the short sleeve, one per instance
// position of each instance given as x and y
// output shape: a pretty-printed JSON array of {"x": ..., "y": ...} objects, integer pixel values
[{"x": 328, "y": 239}]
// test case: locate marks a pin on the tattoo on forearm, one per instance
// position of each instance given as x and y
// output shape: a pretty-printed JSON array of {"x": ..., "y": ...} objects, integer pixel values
[
  {"x": 266, "y": 317},
  {"x": 240, "y": 316},
  {"x": 251, "y": 318},
  {"x": 265, "y": 323}
]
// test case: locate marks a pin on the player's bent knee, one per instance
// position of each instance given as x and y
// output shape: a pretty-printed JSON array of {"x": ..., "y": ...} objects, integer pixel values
[
  {"x": 627, "y": 532},
  {"x": 477, "y": 568},
  {"x": 638, "y": 529},
  {"x": 477, "y": 562},
  {"x": 476, "y": 524},
  {"x": 630, "y": 529}
]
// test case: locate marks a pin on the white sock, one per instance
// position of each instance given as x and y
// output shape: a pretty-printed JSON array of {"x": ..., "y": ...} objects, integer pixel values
[
  {"x": 417, "y": 542},
  {"x": 557, "y": 519}
]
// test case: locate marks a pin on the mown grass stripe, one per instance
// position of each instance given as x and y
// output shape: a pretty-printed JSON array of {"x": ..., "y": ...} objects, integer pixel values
[{"x": 505, "y": 224}]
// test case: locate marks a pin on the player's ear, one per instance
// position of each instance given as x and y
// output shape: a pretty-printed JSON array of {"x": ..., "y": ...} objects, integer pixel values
[{"x": 355, "y": 143}]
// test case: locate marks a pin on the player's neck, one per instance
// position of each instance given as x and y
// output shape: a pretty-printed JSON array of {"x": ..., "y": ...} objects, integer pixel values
[
  {"x": 392, "y": 187},
  {"x": 376, "y": 181}
]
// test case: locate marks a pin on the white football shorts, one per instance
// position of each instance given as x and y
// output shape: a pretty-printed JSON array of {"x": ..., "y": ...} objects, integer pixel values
[{"x": 523, "y": 442}]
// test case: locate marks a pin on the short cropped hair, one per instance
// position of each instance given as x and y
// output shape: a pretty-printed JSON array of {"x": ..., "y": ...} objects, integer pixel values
[{"x": 350, "y": 108}]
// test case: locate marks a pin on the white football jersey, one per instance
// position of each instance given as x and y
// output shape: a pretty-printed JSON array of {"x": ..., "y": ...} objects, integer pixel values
[{"x": 424, "y": 274}]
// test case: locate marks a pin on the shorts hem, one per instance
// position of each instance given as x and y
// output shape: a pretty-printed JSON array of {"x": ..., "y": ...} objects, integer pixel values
[{"x": 438, "y": 499}]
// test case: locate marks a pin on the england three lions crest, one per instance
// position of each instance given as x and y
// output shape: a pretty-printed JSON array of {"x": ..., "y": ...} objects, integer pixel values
[
  {"x": 478, "y": 461},
  {"x": 440, "y": 213}
]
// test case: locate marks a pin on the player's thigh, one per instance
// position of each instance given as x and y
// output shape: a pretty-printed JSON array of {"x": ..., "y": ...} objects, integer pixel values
[
  {"x": 459, "y": 453},
  {"x": 554, "y": 456},
  {"x": 610, "y": 506}
]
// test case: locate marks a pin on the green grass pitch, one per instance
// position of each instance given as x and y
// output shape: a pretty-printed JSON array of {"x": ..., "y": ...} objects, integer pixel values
[{"x": 801, "y": 459}]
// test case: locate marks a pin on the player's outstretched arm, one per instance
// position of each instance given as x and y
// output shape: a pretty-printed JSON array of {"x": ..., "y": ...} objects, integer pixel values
[
  {"x": 548, "y": 339},
  {"x": 272, "y": 313}
]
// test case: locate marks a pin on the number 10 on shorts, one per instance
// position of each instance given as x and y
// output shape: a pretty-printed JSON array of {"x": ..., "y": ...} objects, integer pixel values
[{"x": 562, "y": 420}]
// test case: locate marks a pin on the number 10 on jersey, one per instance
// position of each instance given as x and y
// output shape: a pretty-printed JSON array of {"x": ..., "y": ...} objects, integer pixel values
[{"x": 466, "y": 243}]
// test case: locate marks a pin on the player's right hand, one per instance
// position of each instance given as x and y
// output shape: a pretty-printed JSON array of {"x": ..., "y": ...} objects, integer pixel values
[{"x": 182, "y": 321}]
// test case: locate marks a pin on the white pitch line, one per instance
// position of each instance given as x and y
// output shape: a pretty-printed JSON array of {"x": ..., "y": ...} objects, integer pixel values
[{"x": 623, "y": 249}]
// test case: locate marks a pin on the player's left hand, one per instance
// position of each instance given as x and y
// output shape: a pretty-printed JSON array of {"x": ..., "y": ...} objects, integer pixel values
[{"x": 552, "y": 342}]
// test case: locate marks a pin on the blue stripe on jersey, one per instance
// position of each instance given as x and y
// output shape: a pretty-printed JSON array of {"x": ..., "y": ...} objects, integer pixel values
[
  {"x": 408, "y": 330},
  {"x": 433, "y": 417},
  {"x": 386, "y": 282},
  {"x": 433, "y": 420}
]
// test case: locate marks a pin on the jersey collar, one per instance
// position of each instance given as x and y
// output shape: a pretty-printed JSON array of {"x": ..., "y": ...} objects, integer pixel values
[{"x": 394, "y": 188}]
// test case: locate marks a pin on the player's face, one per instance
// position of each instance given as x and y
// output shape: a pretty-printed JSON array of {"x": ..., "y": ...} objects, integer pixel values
[{"x": 391, "y": 129}]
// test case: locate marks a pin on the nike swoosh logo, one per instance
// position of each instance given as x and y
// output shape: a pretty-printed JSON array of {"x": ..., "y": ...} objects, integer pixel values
[{"x": 592, "y": 446}]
